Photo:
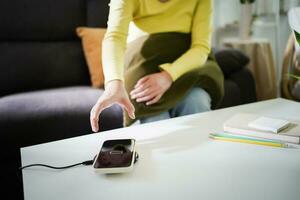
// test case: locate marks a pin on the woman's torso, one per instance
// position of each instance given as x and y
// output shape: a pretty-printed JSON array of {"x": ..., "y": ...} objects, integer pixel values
[{"x": 153, "y": 16}]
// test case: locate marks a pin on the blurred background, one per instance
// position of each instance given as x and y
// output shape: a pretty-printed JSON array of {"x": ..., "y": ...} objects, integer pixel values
[{"x": 269, "y": 22}]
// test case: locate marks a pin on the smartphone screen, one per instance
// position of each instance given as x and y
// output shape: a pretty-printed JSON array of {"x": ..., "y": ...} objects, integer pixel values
[{"x": 115, "y": 153}]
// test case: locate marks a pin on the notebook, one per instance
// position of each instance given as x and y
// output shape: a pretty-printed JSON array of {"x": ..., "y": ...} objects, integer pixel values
[
  {"x": 242, "y": 124},
  {"x": 269, "y": 124}
]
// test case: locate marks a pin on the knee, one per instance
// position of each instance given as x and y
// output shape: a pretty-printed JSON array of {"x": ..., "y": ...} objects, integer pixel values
[
  {"x": 161, "y": 116},
  {"x": 199, "y": 99},
  {"x": 196, "y": 101}
]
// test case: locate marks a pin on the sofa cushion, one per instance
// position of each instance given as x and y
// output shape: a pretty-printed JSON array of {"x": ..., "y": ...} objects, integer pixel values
[
  {"x": 37, "y": 20},
  {"x": 29, "y": 66},
  {"x": 230, "y": 60},
  {"x": 91, "y": 39},
  {"x": 48, "y": 115}
]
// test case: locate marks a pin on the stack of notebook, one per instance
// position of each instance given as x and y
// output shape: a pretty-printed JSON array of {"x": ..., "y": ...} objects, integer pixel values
[{"x": 263, "y": 127}]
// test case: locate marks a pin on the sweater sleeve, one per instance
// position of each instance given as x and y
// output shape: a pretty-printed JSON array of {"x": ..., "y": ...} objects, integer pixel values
[
  {"x": 197, "y": 55},
  {"x": 114, "y": 42}
]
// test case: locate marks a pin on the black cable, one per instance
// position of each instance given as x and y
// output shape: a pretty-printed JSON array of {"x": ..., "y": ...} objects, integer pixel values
[{"x": 87, "y": 162}]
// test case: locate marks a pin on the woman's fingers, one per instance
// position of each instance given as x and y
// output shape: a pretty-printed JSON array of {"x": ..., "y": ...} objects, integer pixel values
[
  {"x": 141, "y": 85},
  {"x": 114, "y": 93},
  {"x": 154, "y": 100},
  {"x": 127, "y": 105},
  {"x": 141, "y": 81},
  {"x": 151, "y": 87},
  {"x": 144, "y": 93},
  {"x": 139, "y": 89},
  {"x": 94, "y": 117},
  {"x": 95, "y": 112},
  {"x": 147, "y": 97},
  {"x": 101, "y": 105}
]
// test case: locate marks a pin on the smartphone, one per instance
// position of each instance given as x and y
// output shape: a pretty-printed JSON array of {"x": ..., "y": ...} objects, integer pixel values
[{"x": 116, "y": 156}]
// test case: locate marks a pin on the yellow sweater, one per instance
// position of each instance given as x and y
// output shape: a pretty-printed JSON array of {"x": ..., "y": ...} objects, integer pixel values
[{"x": 153, "y": 16}]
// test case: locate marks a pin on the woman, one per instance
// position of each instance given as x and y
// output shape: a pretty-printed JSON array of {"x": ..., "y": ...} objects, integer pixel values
[{"x": 166, "y": 66}]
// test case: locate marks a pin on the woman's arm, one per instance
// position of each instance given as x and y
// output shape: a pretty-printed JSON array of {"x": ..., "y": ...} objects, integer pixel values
[
  {"x": 197, "y": 55},
  {"x": 114, "y": 42},
  {"x": 113, "y": 48},
  {"x": 150, "y": 88}
]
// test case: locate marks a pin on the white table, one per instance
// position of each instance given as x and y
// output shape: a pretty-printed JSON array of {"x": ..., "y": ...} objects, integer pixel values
[{"x": 177, "y": 161}]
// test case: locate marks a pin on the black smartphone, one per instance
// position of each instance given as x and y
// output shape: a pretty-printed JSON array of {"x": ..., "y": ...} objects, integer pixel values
[{"x": 115, "y": 156}]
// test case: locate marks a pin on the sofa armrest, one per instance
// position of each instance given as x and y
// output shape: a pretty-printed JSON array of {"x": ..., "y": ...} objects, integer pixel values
[
  {"x": 230, "y": 60},
  {"x": 245, "y": 81}
]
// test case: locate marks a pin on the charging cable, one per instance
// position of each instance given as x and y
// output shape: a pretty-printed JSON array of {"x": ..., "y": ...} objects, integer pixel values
[{"x": 88, "y": 162}]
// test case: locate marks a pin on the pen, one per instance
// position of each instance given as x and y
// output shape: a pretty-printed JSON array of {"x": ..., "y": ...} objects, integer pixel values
[
  {"x": 228, "y": 135},
  {"x": 249, "y": 141}
]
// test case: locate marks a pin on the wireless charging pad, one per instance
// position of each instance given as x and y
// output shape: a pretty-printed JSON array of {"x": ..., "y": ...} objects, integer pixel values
[{"x": 116, "y": 156}]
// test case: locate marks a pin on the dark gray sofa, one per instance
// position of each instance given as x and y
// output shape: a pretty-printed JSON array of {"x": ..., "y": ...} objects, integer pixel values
[{"x": 45, "y": 90}]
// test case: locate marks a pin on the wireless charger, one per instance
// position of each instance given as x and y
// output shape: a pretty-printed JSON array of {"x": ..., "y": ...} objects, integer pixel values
[{"x": 116, "y": 156}]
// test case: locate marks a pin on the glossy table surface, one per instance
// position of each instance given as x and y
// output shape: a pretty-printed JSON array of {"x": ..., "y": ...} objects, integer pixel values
[{"x": 177, "y": 161}]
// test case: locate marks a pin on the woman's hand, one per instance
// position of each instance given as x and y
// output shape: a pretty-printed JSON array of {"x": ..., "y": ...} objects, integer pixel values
[
  {"x": 150, "y": 88},
  {"x": 114, "y": 93}
]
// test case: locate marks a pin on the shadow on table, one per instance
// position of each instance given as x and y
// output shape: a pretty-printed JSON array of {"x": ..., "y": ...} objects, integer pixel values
[{"x": 179, "y": 138}]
